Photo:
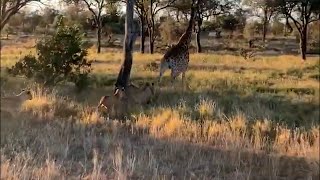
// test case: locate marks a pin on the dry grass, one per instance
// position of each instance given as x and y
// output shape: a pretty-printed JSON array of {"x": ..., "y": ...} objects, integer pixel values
[{"x": 237, "y": 121}]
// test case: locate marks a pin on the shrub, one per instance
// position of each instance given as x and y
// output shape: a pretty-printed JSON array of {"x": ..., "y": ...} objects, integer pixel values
[
  {"x": 252, "y": 29},
  {"x": 170, "y": 31},
  {"x": 314, "y": 38},
  {"x": 61, "y": 57},
  {"x": 8, "y": 30},
  {"x": 27, "y": 29},
  {"x": 210, "y": 26},
  {"x": 277, "y": 28}
]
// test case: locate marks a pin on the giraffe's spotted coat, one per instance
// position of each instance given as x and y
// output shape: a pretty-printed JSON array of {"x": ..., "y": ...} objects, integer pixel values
[{"x": 177, "y": 56}]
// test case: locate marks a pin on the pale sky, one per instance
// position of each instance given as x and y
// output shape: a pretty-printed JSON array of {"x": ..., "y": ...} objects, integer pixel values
[
  {"x": 52, "y": 4},
  {"x": 38, "y": 6}
]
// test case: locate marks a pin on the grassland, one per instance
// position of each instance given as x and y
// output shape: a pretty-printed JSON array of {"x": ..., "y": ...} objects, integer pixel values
[{"x": 238, "y": 119}]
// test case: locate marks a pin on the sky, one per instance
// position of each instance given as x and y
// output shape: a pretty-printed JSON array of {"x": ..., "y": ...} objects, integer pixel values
[
  {"x": 33, "y": 6},
  {"x": 56, "y": 4},
  {"x": 48, "y": 3}
]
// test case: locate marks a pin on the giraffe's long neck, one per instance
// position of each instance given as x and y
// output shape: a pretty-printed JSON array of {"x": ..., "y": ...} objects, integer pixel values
[{"x": 185, "y": 39}]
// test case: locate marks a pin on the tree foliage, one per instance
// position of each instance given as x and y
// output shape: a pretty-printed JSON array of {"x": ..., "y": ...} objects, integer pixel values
[
  {"x": 301, "y": 13},
  {"x": 61, "y": 57},
  {"x": 228, "y": 22},
  {"x": 150, "y": 9},
  {"x": 265, "y": 10},
  {"x": 170, "y": 30},
  {"x": 96, "y": 7},
  {"x": 277, "y": 27},
  {"x": 252, "y": 29},
  {"x": 10, "y": 8}
]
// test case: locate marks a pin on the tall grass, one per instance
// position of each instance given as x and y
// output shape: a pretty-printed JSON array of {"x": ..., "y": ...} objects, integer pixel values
[{"x": 239, "y": 120}]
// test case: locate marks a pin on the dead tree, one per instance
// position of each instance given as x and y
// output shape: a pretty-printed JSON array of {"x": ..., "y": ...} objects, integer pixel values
[{"x": 130, "y": 37}]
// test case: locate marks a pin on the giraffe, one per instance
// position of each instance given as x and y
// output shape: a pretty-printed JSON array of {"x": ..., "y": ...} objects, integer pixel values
[{"x": 177, "y": 56}]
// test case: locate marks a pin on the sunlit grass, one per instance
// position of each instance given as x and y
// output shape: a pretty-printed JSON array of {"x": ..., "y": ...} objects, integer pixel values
[{"x": 240, "y": 119}]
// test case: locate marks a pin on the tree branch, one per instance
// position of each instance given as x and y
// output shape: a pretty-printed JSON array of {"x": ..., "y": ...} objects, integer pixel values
[
  {"x": 163, "y": 7},
  {"x": 313, "y": 20},
  {"x": 9, "y": 8},
  {"x": 91, "y": 10}
]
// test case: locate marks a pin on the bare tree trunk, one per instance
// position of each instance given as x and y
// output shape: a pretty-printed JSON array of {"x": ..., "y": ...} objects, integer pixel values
[
  {"x": 151, "y": 39},
  {"x": 199, "y": 48},
  {"x": 151, "y": 43},
  {"x": 177, "y": 16},
  {"x": 265, "y": 24},
  {"x": 142, "y": 34},
  {"x": 5, "y": 19},
  {"x": 151, "y": 28},
  {"x": 264, "y": 33},
  {"x": 99, "y": 37},
  {"x": 130, "y": 35},
  {"x": 303, "y": 42},
  {"x": 288, "y": 28}
]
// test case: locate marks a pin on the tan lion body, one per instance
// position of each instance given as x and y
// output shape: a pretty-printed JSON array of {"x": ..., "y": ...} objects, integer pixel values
[
  {"x": 12, "y": 104},
  {"x": 123, "y": 101},
  {"x": 115, "y": 105},
  {"x": 140, "y": 95}
]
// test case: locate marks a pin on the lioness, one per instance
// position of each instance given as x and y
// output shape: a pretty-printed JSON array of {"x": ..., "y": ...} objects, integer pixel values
[
  {"x": 142, "y": 95},
  {"x": 116, "y": 104},
  {"x": 12, "y": 104},
  {"x": 127, "y": 99}
]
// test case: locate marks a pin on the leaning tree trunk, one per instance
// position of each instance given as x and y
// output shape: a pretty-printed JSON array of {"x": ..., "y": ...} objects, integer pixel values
[
  {"x": 130, "y": 35},
  {"x": 303, "y": 42}
]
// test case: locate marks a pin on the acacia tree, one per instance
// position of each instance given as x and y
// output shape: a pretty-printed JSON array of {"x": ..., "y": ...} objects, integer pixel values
[
  {"x": 155, "y": 6},
  {"x": 301, "y": 13},
  {"x": 205, "y": 10},
  {"x": 130, "y": 36},
  {"x": 263, "y": 9},
  {"x": 141, "y": 8},
  {"x": 96, "y": 8},
  {"x": 10, "y": 8}
]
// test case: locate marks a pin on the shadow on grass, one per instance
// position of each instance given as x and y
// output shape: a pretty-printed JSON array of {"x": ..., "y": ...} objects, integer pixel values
[
  {"x": 298, "y": 91},
  {"x": 315, "y": 76},
  {"x": 255, "y": 106},
  {"x": 257, "y": 103},
  {"x": 75, "y": 150},
  {"x": 206, "y": 67}
]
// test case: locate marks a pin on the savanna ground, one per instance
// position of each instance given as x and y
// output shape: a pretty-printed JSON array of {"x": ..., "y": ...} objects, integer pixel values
[{"x": 238, "y": 119}]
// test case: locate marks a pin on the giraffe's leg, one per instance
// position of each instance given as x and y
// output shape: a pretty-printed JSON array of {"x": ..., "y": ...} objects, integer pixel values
[
  {"x": 173, "y": 78},
  {"x": 183, "y": 76}
]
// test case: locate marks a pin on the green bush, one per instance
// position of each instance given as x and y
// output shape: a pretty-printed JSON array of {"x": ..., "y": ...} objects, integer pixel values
[
  {"x": 61, "y": 57},
  {"x": 252, "y": 29},
  {"x": 277, "y": 28},
  {"x": 170, "y": 31},
  {"x": 314, "y": 38},
  {"x": 8, "y": 30}
]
